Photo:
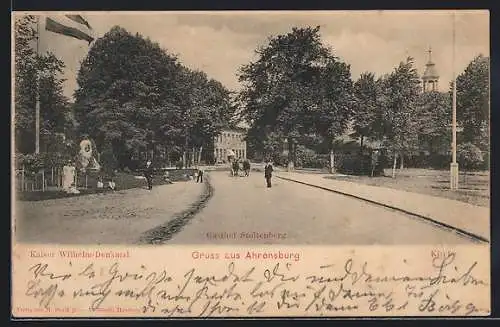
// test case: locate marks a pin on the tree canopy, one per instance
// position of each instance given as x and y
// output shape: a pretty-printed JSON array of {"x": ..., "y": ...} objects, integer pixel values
[
  {"x": 434, "y": 119},
  {"x": 400, "y": 92},
  {"x": 133, "y": 95},
  {"x": 37, "y": 73},
  {"x": 367, "y": 114},
  {"x": 473, "y": 88},
  {"x": 296, "y": 87}
]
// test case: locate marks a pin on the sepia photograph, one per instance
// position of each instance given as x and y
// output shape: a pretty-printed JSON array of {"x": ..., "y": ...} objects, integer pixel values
[
  {"x": 251, "y": 163},
  {"x": 350, "y": 128}
]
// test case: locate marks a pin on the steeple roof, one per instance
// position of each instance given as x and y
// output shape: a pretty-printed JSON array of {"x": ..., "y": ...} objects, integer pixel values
[{"x": 430, "y": 72}]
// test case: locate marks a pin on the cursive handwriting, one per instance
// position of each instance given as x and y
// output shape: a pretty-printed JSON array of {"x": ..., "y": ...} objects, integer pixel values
[{"x": 350, "y": 287}]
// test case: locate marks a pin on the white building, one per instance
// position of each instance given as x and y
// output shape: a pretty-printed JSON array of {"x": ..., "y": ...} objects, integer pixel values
[{"x": 230, "y": 144}]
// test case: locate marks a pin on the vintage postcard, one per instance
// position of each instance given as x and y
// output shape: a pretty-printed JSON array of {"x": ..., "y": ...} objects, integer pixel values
[{"x": 250, "y": 164}]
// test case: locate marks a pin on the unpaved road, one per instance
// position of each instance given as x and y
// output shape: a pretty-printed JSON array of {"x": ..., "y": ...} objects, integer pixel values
[
  {"x": 112, "y": 218},
  {"x": 305, "y": 214}
]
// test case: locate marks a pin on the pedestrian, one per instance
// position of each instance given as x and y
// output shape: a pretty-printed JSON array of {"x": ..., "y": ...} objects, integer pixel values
[
  {"x": 268, "y": 173},
  {"x": 199, "y": 178},
  {"x": 111, "y": 174},
  {"x": 112, "y": 184},
  {"x": 100, "y": 183},
  {"x": 374, "y": 161},
  {"x": 246, "y": 167},
  {"x": 236, "y": 167},
  {"x": 148, "y": 173}
]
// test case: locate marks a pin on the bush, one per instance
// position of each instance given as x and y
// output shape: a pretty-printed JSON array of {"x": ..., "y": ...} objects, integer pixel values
[
  {"x": 469, "y": 156},
  {"x": 305, "y": 157},
  {"x": 278, "y": 158},
  {"x": 32, "y": 163},
  {"x": 486, "y": 161},
  {"x": 359, "y": 164}
]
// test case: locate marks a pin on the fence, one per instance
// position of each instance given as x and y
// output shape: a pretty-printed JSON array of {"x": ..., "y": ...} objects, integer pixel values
[{"x": 46, "y": 180}]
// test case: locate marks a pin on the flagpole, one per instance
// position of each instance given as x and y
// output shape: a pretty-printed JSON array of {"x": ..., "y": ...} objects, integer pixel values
[
  {"x": 454, "y": 164},
  {"x": 37, "y": 105}
]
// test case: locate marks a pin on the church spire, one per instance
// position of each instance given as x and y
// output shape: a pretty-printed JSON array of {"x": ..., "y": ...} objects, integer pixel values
[{"x": 431, "y": 77}]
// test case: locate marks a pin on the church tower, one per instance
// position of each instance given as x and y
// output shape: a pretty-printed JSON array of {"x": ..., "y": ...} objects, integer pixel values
[{"x": 431, "y": 77}]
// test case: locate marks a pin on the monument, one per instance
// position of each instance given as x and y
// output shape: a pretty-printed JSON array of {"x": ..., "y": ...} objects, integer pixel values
[
  {"x": 86, "y": 160},
  {"x": 69, "y": 171},
  {"x": 87, "y": 155}
]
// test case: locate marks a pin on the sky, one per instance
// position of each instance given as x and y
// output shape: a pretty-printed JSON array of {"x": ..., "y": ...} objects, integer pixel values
[{"x": 219, "y": 43}]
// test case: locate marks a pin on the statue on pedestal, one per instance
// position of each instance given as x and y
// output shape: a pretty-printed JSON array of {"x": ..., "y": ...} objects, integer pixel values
[
  {"x": 87, "y": 155},
  {"x": 69, "y": 171}
]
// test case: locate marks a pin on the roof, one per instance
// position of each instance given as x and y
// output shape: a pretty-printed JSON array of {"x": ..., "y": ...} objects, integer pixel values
[
  {"x": 235, "y": 129},
  {"x": 346, "y": 141},
  {"x": 430, "y": 71}
]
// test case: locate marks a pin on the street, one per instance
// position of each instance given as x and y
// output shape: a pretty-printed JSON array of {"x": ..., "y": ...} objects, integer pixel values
[
  {"x": 305, "y": 214},
  {"x": 113, "y": 218},
  {"x": 241, "y": 211}
]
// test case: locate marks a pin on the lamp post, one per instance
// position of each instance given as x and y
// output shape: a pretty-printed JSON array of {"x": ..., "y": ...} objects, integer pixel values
[
  {"x": 37, "y": 90},
  {"x": 454, "y": 164}
]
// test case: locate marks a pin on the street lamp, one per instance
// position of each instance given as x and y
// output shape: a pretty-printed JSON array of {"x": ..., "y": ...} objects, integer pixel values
[
  {"x": 454, "y": 164},
  {"x": 37, "y": 89}
]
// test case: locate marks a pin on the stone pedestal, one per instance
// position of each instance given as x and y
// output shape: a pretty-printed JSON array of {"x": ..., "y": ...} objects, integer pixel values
[
  {"x": 332, "y": 163},
  {"x": 454, "y": 176},
  {"x": 68, "y": 177}
]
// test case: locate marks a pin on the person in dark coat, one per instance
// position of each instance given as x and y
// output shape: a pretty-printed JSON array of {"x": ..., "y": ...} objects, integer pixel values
[
  {"x": 148, "y": 173},
  {"x": 246, "y": 167},
  {"x": 199, "y": 177},
  {"x": 268, "y": 173},
  {"x": 236, "y": 167}
]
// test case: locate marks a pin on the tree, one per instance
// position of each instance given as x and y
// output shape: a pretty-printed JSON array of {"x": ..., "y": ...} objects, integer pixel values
[
  {"x": 273, "y": 148},
  {"x": 135, "y": 96},
  {"x": 206, "y": 112},
  {"x": 470, "y": 157},
  {"x": 473, "y": 88},
  {"x": 434, "y": 118},
  {"x": 400, "y": 91},
  {"x": 109, "y": 162},
  {"x": 295, "y": 87},
  {"x": 54, "y": 106},
  {"x": 25, "y": 78},
  {"x": 126, "y": 86},
  {"x": 367, "y": 115}
]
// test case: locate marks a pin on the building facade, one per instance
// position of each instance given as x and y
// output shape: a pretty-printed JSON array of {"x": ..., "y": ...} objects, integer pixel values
[{"x": 230, "y": 144}]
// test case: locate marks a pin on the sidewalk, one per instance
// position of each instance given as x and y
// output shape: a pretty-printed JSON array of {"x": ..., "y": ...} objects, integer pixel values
[{"x": 468, "y": 218}]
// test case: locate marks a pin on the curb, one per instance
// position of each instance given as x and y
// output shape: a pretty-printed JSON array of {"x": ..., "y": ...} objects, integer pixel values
[
  {"x": 163, "y": 233},
  {"x": 461, "y": 232}
]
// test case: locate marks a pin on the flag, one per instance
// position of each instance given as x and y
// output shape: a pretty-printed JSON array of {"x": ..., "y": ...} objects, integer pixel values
[
  {"x": 79, "y": 19},
  {"x": 70, "y": 25}
]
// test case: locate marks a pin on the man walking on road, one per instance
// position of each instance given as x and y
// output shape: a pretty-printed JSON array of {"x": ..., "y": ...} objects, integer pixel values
[
  {"x": 236, "y": 167},
  {"x": 199, "y": 177},
  {"x": 268, "y": 173},
  {"x": 148, "y": 173},
  {"x": 246, "y": 167}
]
